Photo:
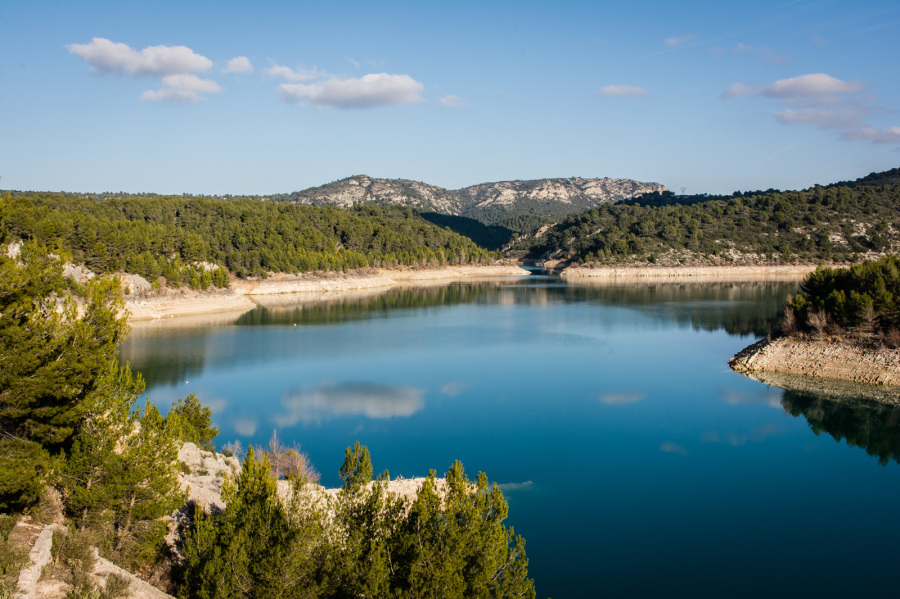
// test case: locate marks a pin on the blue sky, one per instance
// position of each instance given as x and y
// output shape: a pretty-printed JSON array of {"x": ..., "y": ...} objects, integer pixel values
[{"x": 268, "y": 97}]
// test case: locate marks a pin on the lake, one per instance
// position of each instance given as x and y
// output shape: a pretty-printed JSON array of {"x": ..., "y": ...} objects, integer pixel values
[{"x": 635, "y": 462}]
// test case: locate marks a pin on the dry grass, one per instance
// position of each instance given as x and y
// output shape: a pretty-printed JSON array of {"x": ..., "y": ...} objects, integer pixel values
[{"x": 289, "y": 462}]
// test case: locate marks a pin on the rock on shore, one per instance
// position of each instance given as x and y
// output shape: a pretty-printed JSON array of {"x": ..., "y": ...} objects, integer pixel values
[{"x": 825, "y": 359}]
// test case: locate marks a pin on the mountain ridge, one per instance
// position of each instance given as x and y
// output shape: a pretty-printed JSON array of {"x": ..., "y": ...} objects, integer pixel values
[{"x": 485, "y": 202}]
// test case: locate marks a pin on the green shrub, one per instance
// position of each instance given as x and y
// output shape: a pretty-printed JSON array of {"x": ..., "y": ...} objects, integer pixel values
[{"x": 191, "y": 422}]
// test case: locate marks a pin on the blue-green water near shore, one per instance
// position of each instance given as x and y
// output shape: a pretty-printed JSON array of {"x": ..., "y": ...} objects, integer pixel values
[{"x": 635, "y": 462}]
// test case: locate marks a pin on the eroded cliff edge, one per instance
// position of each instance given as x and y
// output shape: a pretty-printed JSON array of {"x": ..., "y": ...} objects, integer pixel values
[{"x": 809, "y": 364}]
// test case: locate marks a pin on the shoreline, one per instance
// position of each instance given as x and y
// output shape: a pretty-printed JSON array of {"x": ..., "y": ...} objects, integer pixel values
[
  {"x": 244, "y": 295},
  {"x": 789, "y": 360},
  {"x": 737, "y": 272}
]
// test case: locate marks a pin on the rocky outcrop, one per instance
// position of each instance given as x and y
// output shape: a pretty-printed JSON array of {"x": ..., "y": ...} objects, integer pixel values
[
  {"x": 487, "y": 202},
  {"x": 42, "y": 538},
  {"x": 822, "y": 359},
  {"x": 204, "y": 473},
  {"x": 574, "y": 194}
]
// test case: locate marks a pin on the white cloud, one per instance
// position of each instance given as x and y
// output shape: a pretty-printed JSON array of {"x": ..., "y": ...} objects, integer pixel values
[
  {"x": 369, "y": 91},
  {"x": 106, "y": 56},
  {"x": 679, "y": 40},
  {"x": 889, "y": 135},
  {"x": 738, "y": 90},
  {"x": 452, "y": 102},
  {"x": 292, "y": 75},
  {"x": 191, "y": 83},
  {"x": 622, "y": 90},
  {"x": 812, "y": 85},
  {"x": 820, "y": 117},
  {"x": 176, "y": 65},
  {"x": 183, "y": 88},
  {"x": 239, "y": 65},
  {"x": 824, "y": 102}
]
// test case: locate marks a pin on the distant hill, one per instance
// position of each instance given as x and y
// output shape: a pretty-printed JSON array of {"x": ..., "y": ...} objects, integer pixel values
[
  {"x": 841, "y": 222},
  {"x": 487, "y": 203}
]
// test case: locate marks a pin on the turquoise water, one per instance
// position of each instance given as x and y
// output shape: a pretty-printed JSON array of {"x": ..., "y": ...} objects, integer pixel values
[{"x": 635, "y": 462}]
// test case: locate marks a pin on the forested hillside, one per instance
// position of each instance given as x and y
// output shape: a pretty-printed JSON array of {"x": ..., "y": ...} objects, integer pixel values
[
  {"x": 161, "y": 235},
  {"x": 837, "y": 222}
]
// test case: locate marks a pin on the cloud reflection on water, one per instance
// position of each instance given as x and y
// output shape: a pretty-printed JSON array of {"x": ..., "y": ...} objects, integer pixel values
[
  {"x": 757, "y": 435},
  {"x": 245, "y": 426},
  {"x": 616, "y": 399},
  {"x": 330, "y": 400},
  {"x": 769, "y": 396},
  {"x": 672, "y": 448},
  {"x": 523, "y": 486}
]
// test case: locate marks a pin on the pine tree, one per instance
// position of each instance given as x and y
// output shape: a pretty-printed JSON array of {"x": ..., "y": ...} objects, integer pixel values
[
  {"x": 366, "y": 517},
  {"x": 456, "y": 545},
  {"x": 259, "y": 547},
  {"x": 357, "y": 467},
  {"x": 121, "y": 475},
  {"x": 191, "y": 422},
  {"x": 93, "y": 462},
  {"x": 51, "y": 359}
]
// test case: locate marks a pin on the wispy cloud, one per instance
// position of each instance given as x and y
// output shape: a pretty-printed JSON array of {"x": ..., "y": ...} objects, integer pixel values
[
  {"x": 823, "y": 101},
  {"x": 671, "y": 42},
  {"x": 622, "y": 90},
  {"x": 452, "y": 102},
  {"x": 295, "y": 75},
  {"x": 739, "y": 90},
  {"x": 176, "y": 65},
  {"x": 764, "y": 53},
  {"x": 239, "y": 65},
  {"x": 368, "y": 91}
]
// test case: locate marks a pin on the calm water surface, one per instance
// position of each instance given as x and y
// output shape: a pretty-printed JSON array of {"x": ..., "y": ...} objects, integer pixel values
[{"x": 635, "y": 462}]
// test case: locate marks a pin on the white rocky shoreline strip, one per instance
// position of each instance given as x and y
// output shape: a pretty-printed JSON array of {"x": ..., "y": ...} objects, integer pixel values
[
  {"x": 792, "y": 358},
  {"x": 246, "y": 294},
  {"x": 737, "y": 272},
  {"x": 240, "y": 297}
]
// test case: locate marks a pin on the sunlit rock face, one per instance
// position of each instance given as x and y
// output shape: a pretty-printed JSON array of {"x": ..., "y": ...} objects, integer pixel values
[{"x": 487, "y": 202}]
